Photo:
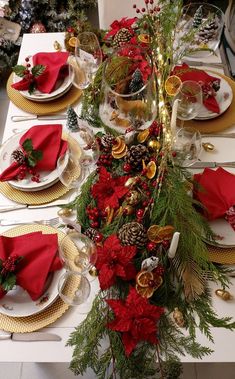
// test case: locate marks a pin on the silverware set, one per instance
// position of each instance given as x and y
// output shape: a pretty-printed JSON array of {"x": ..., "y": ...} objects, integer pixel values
[
  {"x": 33, "y": 336},
  {"x": 50, "y": 222}
]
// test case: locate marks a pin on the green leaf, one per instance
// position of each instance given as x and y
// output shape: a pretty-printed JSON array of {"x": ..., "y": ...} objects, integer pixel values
[
  {"x": 19, "y": 70},
  {"x": 28, "y": 145},
  {"x": 9, "y": 282},
  {"x": 37, "y": 155},
  {"x": 38, "y": 70},
  {"x": 32, "y": 86},
  {"x": 31, "y": 161}
]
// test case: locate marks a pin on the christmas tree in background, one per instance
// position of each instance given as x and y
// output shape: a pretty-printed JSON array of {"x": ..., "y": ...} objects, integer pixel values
[
  {"x": 39, "y": 16},
  {"x": 197, "y": 20}
]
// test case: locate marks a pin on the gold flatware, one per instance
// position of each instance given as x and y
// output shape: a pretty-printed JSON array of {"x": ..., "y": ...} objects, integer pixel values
[
  {"x": 207, "y": 146},
  {"x": 222, "y": 135}
]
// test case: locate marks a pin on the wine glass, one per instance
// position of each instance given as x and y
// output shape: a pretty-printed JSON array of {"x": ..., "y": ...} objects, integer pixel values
[
  {"x": 69, "y": 170},
  {"x": 88, "y": 56},
  {"x": 78, "y": 253},
  {"x": 128, "y": 97},
  {"x": 190, "y": 100},
  {"x": 74, "y": 289},
  {"x": 187, "y": 146}
]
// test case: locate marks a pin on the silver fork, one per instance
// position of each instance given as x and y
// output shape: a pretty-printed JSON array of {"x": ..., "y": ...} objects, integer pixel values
[{"x": 51, "y": 222}]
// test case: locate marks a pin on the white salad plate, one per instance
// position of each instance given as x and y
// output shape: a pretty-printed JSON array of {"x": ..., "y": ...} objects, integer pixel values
[{"x": 47, "y": 178}]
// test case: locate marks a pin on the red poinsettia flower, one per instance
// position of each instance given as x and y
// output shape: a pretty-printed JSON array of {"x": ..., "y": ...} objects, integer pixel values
[
  {"x": 123, "y": 23},
  {"x": 136, "y": 319},
  {"x": 108, "y": 190},
  {"x": 114, "y": 260}
]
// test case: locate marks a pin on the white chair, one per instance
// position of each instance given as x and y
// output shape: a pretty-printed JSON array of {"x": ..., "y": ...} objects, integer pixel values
[{"x": 110, "y": 10}]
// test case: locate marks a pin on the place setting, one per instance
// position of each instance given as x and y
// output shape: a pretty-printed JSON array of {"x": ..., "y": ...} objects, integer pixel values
[{"x": 42, "y": 84}]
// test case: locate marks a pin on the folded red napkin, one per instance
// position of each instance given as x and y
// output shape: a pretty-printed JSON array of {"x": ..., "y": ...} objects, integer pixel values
[
  {"x": 216, "y": 192},
  {"x": 207, "y": 82},
  {"x": 55, "y": 69},
  {"x": 39, "y": 252},
  {"x": 46, "y": 138}
]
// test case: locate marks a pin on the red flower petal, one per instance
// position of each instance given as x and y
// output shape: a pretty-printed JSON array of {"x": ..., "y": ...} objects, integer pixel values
[
  {"x": 106, "y": 277},
  {"x": 129, "y": 343}
]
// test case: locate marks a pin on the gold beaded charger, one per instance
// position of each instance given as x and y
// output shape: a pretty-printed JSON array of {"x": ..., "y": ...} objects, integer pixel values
[
  {"x": 46, "y": 195},
  {"x": 52, "y": 106},
  {"x": 215, "y": 125},
  {"x": 55, "y": 310},
  {"x": 221, "y": 255}
]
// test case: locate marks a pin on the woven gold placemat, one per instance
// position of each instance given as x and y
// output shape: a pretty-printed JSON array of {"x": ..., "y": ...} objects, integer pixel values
[
  {"x": 221, "y": 255},
  {"x": 44, "y": 196},
  {"x": 42, "y": 108},
  {"x": 52, "y": 312},
  {"x": 219, "y": 123}
]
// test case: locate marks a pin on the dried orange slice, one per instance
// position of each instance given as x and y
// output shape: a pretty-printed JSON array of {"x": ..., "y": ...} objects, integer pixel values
[
  {"x": 151, "y": 169},
  {"x": 72, "y": 41},
  {"x": 152, "y": 232},
  {"x": 145, "y": 291},
  {"x": 142, "y": 136},
  {"x": 172, "y": 85},
  {"x": 144, "y": 37},
  {"x": 144, "y": 277},
  {"x": 158, "y": 233}
]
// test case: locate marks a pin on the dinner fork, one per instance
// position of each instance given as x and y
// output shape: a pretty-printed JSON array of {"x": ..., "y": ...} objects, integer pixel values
[{"x": 50, "y": 222}]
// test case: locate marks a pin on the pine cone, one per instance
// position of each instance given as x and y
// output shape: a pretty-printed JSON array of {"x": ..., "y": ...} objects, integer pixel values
[
  {"x": 91, "y": 233},
  {"x": 18, "y": 156},
  {"x": 121, "y": 37},
  {"x": 133, "y": 234},
  {"x": 108, "y": 140},
  {"x": 135, "y": 155}
]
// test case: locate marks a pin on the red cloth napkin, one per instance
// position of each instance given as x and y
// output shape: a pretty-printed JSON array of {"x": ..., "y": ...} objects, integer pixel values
[
  {"x": 39, "y": 252},
  {"x": 46, "y": 138},
  {"x": 217, "y": 192},
  {"x": 56, "y": 69},
  {"x": 184, "y": 72}
]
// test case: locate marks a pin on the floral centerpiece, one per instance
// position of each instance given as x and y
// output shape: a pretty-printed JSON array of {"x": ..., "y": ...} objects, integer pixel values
[{"x": 152, "y": 265}]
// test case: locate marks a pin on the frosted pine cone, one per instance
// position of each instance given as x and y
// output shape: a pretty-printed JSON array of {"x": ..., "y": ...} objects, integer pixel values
[{"x": 133, "y": 234}]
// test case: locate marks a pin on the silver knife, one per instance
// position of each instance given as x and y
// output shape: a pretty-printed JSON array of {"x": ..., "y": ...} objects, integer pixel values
[
  {"x": 34, "y": 336},
  {"x": 8, "y": 208},
  {"x": 200, "y": 63},
  {"x": 222, "y": 135},
  {"x": 57, "y": 116},
  {"x": 212, "y": 164}
]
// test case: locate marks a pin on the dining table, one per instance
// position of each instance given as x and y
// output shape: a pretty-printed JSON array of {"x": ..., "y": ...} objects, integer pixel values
[{"x": 58, "y": 351}]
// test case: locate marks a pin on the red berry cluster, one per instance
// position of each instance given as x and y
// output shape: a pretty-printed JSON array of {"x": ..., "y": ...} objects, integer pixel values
[
  {"x": 105, "y": 160},
  {"x": 27, "y": 74},
  {"x": 159, "y": 270},
  {"x": 155, "y": 129},
  {"x": 151, "y": 10},
  {"x": 93, "y": 215},
  {"x": 9, "y": 265},
  {"x": 24, "y": 169}
]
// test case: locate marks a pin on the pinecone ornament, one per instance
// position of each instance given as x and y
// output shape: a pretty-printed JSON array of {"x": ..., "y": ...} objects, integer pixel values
[
  {"x": 209, "y": 31},
  {"x": 108, "y": 140},
  {"x": 91, "y": 233},
  {"x": 18, "y": 156},
  {"x": 135, "y": 155},
  {"x": 133, "y": 234},
  {"x": 121, "y": 37}
]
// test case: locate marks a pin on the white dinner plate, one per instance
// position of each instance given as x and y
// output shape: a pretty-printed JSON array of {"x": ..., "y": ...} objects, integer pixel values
[
  {"x": 18, "y": 303},
  {"x": 224, "y": 98},
  {"x": 225, "y": 233},
  {"x": 62, "y": 86},
  {"x": 47, "y": 178}
]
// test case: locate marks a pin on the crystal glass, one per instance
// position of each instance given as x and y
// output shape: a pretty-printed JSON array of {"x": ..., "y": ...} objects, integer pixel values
[
  {"x": 88, "y": 57},
  {"x": 128, "y": 97},
  {"x": 72, "y": 175},
  {"x": 74, "y": 289},
  {"x": 81, "y": 256},
  {"x": 187, "y": 146},
  {"x": 206, "y": 21},
  {"x": 190, "y": 100}
]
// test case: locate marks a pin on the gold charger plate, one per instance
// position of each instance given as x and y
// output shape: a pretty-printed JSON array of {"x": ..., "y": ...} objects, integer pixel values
[
  {"x": 221, "y": 255},
  {"x": 52, "y": 106},
  {"x": 46, "y": 195},
  {"x": 215, "y": 125},
  {"x": 53, "y": 311}
]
